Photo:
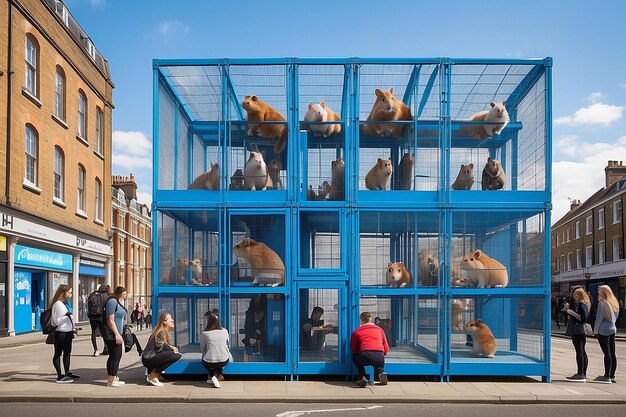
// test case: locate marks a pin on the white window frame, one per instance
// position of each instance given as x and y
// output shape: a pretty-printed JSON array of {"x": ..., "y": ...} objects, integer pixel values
[
  {"x": 578, "y": 229},
  {"x": 30, "y": 59},
  {"x": 82, "y": 115},
  {"x": 569, "y": 261},
  {"x": 31, "y": 156},
  {"x": 59, "y": 95},
  {"x": 80, "y": 198},
  {"x": 558, "y": 238},
  {"x": 589, "y": 225},
  {"x": 617, "y": 211},
  {"x": 601, "y": 219},
  {"x": 569, "y": 235},
  {"x": 601, "y": 252},
  {"x": 617, "y": 248},
  {"x": 99, "y": 130},
  {"x": 588, "y": 256},
  {"x": 579, "y": 261},
  {"x": 58, "y": 177},
  {"x": 98, "y": 200}
]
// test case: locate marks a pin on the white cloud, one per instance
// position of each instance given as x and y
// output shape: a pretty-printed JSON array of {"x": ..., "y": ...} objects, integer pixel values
[
  {"x": 582, "y": 177},
  {"x": 97, "y": 3},
  {"x": 624, "y": 85},
  {"x": 131, "y": 142},
  {"x": 595, "y": 97},
  {"x": 598, "y": 113},
  {"x": 170, "y": 26},
  {"x": 144, "y": 198},
  {"x": 131, "y": 162}
]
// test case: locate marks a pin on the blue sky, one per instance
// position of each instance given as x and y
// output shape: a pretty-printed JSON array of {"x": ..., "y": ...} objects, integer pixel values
[{"x": 586, "y": 40}]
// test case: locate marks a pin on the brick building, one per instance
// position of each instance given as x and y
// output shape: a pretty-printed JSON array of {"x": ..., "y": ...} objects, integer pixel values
[
  {"x": 55, "y": 160},
  {"x": 132, "y": 241},
  {"x": 588, "y": 242}
]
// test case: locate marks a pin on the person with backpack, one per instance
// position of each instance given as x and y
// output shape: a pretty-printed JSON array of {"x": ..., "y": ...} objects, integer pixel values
[
  {"x": 115, "y": 314},
  {"x": 575, "y": 329},
  {"x": 95, "y": 305},
  {"x": 159, "y": 352},
  {"x": 63, "y": 333},
  {"x": 605, "y": 329}
]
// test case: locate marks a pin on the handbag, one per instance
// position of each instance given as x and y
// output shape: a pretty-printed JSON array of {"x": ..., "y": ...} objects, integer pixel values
[
  {"x": 127, "y": 335},
  {"x": 583, "y": 329},
  {"x": 50, "y": 339}
]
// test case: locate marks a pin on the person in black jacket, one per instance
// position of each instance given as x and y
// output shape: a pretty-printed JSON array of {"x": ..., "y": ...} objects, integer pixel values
[
  {"x": 96, "y": 321},
  {"x": 578, "y": 316}
]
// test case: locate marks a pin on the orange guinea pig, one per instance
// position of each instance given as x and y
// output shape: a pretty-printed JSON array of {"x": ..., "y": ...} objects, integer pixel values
[
  {"x": 484, "y": 342},
  {"x": 483, "y": 271},
  {"x": 397, "y": 275}
]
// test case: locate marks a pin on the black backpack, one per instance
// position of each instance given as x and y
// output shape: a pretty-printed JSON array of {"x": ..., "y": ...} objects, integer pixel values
[
  {"x": 95, "y": 304},
  {"x": 46, "y": 322}
]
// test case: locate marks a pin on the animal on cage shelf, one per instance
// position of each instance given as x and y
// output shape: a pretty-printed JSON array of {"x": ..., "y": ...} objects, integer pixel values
[
  {"x": 208, "y": 181},
  {"x": 259, "y": 111},
  {"x": 197, "y": 277},
  {"x": 178, "y": 274},
  {"x": 336, "y": 184},
  {"x": 256, "y": 176},
  {"x": 267, "y": 267},
  {"x": 386, "y": 108},
  {"x": 457, "y": 315},
  {"x": 236, "y": 181},
  {"x": 484, "y": 342},
  {"x": 493, "y": 175},
  {"x": 397, "y": 275},
  {"x": 406, "y": 171},
  {"x": 427, "y": 269},
  {"x": 322, "y": 113},
  {"x": 465, "y": 178},
  {"x": 483, "y": 271},
  {"x": 386, "y": 325},
  {"x": 496, "y": 114},
  {"x": 273, "y": 170},
  {"x": 379, "y": 175},
  {"x": 322, "y": 192}
]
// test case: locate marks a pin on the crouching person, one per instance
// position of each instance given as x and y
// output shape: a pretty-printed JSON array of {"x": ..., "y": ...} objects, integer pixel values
[
  {"x": 214, "y": 348},
  {"x": 369, "y": 347},
  {"x": 159, "y": 353}
]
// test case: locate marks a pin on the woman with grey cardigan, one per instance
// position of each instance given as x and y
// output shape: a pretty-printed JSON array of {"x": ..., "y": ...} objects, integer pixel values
[
  {"x": 214, "y": 348},
  {"x": 604, "y": 328}
]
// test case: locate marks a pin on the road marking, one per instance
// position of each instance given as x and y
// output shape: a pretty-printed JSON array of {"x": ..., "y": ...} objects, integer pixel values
[{"x": 303, "y": 412}]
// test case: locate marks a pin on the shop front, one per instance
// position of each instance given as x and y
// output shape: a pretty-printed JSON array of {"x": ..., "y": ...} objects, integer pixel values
[
  {"x": 4, "y": 271},
  {"x": 91, "y": 276}
]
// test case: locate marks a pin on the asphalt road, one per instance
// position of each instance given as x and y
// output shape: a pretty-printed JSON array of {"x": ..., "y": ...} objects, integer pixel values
[{"x": 318, "y": 410}]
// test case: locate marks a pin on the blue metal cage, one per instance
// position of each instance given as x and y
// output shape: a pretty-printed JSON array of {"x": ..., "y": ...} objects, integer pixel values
[{"x": 335, "y": 235}]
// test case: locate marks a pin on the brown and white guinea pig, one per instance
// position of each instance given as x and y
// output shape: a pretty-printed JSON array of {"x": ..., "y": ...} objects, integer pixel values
[
  {"x": 273, "y": 170},
  {"x": 196, "y": 271},
  {"x": 322, "y": 113},
  {"x": 379, "y": 175},
  {"x": 457, "y": 315},
  {"x": 236, "y": 181},
  {"x": 483, "y": 271},
  {"x": 259, "y": 111},
  {"x": 484, "y": 342},
  {"x": 496, "y": 114},
  {"x": 428, "y": 269},
  {"x": 336, "y": 184},
  {"x": 406, "y": 171},
  {"x": 493, "y": 175},
  {"x": 386, "y": 108},
  {"x": 256, "y": 176},
  {"x": 465, "y": 178},
  {"x": 267, "y": 267},
  {"x": 178, "y": 275},
  {"x": 397, "y": 275},
  {"x": 208, "y": 181}
]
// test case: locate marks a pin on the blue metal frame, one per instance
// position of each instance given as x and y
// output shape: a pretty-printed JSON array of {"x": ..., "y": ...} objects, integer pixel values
[{"x": 229, "y": 132}]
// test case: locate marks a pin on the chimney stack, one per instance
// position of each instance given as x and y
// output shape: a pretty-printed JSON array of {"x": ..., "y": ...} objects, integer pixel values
[
  {"x": 614, "y": 171},
  {"x": 126, "y": 184},
  {"x": 574, "y": 204}
]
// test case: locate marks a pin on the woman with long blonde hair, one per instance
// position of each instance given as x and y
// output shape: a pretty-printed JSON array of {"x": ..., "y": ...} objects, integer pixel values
[
  {"x": 578, "y": 317},
  {"x": 605, "y": 329},
  {"x": 159, "y": 353},
  {"x": 63, "y": 334}
]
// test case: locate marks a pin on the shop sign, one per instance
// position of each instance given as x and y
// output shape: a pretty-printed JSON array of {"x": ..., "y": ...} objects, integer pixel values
[{"x": 27, "y": 256}]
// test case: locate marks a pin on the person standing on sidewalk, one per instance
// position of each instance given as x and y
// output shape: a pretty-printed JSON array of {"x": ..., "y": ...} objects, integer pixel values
[
  {"x": 578, "y": 316},
  {"x": 159, "y": 352},
  {"x": 63, "y": 334},
  {"x": 555, "y": 312},
  {"x": 214, "y": 348},
  {"x": 95, "y": 305},
  {"x": 140, "y": 313},
  {"x": 604, "y": 328},
  {"x": 369, "y": 347},
  {"x": 115, "y": 314}
]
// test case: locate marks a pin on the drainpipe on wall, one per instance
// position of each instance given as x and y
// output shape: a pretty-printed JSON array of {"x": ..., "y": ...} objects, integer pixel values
[{"x": 7, "y": 187}]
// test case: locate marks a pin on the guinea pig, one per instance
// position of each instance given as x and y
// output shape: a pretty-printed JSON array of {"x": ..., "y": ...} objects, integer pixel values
[
  {"x": 267, "y": 267},
  {"x": 387, "y": 108},
  {"x": 259, "y": 111},
  {"x": 379, "y": 175},
  {"x": 457, "y": 315},
  {"x": 465, "y": 178},
  {"x": 397, "y": 275},
  {"x": 322, "y": 113},
  {"x": 256, "y": 176},
  {"x": 484, "y": 342},
  {"x": 483, "y": 271}
]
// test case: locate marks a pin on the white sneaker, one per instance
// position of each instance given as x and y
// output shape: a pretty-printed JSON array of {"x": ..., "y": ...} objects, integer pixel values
[
  {"x": 209, "y": 381},
  {"x": 117, "y": 378},
  {"x": 216, "y": 382},
  {"x": 154, "y": 382},
  {"x": 96, "y": 353},
  {"x": 64, "y": 379},
  {"x": 114, "y": 384}
]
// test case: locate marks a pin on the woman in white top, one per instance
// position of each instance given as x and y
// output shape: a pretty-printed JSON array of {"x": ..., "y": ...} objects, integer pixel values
[
  {"x": 214, "y": 348},
  {"x": 63, "y": 334}
]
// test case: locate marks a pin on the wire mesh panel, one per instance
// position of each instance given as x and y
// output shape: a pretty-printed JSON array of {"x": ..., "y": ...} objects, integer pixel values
[
  {"x": 205, "y": 305},
  {"x": 188, "y": 247},
  {"x": 257, "y": 327},
  {"x": 497, "y": 329},
  {"x": 320, "y": 241},
  {"x": 497, "y": 249},
  {"x": 319, "y": 325},
  {"x": 399, "y": 249},
  {"x": 258, "y": 250},
  {"x": 411, "y": 325},
  {"x": 204, "y": 172}
]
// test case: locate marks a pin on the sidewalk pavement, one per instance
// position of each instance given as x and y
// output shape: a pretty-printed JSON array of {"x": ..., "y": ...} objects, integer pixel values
[
  {"x": 26, "y": 375},
  {"x": 560, "y": 332}
]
